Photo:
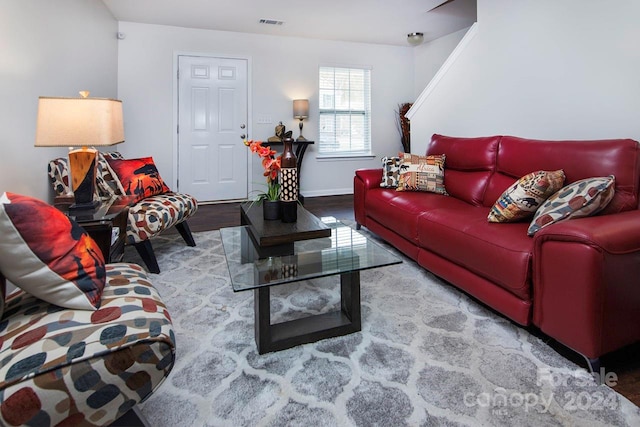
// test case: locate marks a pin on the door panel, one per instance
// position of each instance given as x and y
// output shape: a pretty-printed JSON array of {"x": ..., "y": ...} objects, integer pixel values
[{"x": 212, "y": 110}]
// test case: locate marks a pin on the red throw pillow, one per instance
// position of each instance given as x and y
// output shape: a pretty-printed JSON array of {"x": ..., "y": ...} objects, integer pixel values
[
  {"x": 139, "y": 177},
  {"x": 45, "y": 253}
]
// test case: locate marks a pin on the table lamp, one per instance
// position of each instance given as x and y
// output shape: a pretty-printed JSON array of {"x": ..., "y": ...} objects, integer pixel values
[
  {"x": 80, "y": 122},
  {"x": 301, "y": 112}
]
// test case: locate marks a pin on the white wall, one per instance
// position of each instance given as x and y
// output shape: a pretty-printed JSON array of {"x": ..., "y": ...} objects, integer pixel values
[
  {"x": 283, "y": 69},
  {"x": 429, "y": 57},
  {"x": 541, "y": 69},
  {"x": 49, "y": 48}
]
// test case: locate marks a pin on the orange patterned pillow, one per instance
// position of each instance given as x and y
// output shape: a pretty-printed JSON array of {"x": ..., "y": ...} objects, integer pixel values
[
  {"x": 422, "y": 173},
  {"x": 524, "y": 197},
  {"x": 138, "y": 177},
  {"x": 45, "y": 253}
]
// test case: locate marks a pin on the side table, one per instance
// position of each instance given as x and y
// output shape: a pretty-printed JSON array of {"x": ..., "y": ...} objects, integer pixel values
[{"x": 107, "y": 224}]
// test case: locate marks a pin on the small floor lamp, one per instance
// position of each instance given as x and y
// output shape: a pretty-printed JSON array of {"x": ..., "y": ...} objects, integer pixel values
[
  {"x": 301, "y": 112},
  {"x": 80, "y": 122}
]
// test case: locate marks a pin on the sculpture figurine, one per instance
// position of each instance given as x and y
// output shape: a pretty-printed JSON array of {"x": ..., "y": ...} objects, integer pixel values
[{"x": 279, "y": 134}]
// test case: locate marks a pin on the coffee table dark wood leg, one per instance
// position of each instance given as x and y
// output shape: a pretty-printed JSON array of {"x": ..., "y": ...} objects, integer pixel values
[
  {"x": 308, "y": 329},
  {"x": 262, "y": 314},
  {"x": 350, "y": 298}
]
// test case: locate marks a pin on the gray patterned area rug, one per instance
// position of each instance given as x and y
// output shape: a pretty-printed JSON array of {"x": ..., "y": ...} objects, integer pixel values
[{"x": 427, "y": 355}]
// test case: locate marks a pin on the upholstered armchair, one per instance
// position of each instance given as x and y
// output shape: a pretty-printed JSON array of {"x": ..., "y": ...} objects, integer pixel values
[
  {"x": 153, "y": 213},
  {"x": 82, "y": 342}
]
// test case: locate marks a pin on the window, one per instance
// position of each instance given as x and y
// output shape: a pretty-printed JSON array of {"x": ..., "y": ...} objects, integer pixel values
[{"x": 345, "y": 111}]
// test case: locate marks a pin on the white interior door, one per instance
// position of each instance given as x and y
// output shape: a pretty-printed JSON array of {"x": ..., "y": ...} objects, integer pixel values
[{"x": 212, "y": 119}]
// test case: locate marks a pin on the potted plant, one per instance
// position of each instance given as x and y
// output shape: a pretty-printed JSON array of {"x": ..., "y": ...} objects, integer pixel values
[{"x": 269, "y": 199}]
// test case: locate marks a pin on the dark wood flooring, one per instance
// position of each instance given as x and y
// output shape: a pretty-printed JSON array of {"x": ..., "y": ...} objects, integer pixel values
[{"x": 624, "y": 363}]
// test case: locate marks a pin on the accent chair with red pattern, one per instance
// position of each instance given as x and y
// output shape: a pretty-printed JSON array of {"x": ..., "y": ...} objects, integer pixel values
[{"x": 157, "y": 208}]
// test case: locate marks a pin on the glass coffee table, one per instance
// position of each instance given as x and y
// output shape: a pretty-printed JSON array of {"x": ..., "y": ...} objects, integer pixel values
[{"x": 345, "y": 252}]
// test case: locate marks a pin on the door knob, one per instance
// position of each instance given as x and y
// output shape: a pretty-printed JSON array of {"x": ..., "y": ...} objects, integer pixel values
[
  {"x": 242, "y": 126},
  {"x": 243, "y": 136}
]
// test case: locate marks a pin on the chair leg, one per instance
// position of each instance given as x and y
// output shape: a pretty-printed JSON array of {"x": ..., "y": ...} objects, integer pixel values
[
  {"x": 185, "y": 232},
  {"x": 145, "y": 250}
]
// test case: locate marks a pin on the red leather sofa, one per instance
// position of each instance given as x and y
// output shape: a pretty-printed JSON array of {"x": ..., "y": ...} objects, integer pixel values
[{"x": 578, "y": 280}]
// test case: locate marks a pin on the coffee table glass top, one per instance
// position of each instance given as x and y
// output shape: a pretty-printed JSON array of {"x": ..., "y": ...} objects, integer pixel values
[{"x": 345, "y": 251}]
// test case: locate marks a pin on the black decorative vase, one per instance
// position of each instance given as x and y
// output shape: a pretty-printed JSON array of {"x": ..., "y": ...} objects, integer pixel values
[
  {"x": 289, "y": 182},
  {"x": 271, "y": 209}
]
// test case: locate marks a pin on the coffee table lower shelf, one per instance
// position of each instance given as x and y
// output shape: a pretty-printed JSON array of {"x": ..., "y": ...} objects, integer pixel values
[{"x": 280, "y": 336}]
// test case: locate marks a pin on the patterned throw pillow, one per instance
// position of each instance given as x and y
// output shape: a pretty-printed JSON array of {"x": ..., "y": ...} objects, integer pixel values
[
  {"x": 390, "y": 171},
  {"x": 422, "y": 173},
  {"x": 579, "y": 199},
  {"x": 138, "y": 177},
  {"x": 525, "y": 196},
  {"x": 48, "y": 255}
]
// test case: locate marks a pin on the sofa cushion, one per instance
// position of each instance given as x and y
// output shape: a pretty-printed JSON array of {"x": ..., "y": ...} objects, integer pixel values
[
  {"x": 525, "y": 196},
  {"x": 582, "y": 198},
  {"x": 45, "y": 253},
  {"x": 422, "y": 173},
  {"x": 500, "y": 253},
  {"x": 399, "y": 211},
  {"x": 139, "y": 177},
  {"x": 470, "y": 163},
  {"x": 390, "y": 171}
]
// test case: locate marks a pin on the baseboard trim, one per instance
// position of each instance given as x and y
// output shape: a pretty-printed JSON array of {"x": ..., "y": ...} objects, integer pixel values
[{"x": 333, "y": 192}]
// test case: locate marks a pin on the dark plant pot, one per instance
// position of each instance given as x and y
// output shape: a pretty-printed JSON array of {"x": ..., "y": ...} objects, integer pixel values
[{"x": 271, "y": 209}]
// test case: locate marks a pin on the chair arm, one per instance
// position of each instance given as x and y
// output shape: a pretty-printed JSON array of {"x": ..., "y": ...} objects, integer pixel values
[{"x": 586, "y": 282}]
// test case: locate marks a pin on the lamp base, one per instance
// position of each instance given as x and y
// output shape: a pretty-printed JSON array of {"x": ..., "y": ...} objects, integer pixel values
[
  {"x": 82, "y": 165},
  {"x": 301, "y": 138}
]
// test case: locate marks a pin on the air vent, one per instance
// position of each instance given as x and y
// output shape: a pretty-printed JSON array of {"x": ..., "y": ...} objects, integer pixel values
[{"x": 271, "y": 22}]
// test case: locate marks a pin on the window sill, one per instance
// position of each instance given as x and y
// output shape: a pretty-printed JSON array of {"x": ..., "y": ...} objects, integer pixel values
[{"x": 332, "y": 157}]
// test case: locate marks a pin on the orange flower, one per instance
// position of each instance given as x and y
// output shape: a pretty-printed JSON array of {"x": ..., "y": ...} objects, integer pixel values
[
  {"x": 270, "y": 163},
  {"x": 254, "y": 146},
  {"x": 271, "y": 167}
]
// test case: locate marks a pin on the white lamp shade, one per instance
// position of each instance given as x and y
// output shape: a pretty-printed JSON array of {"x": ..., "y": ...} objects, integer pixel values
[
  {"x": 300, "y": 108},
  {"x": 64, "y": 122}
]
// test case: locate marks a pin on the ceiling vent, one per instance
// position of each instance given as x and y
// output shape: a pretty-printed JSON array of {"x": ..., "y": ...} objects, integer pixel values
[{"x": 271, "y": 22}]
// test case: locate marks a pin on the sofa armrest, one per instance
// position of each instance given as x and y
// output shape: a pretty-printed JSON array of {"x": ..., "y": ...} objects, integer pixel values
[
  {"x": 616, "y": 233},
  {"x": 371, "y": 178},
  {"x": 587, "y": 282},
  {"x": 363, "y": 181}
]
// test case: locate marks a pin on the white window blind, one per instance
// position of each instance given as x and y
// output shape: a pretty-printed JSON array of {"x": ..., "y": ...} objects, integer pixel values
[{"x": 345, "y": 111}]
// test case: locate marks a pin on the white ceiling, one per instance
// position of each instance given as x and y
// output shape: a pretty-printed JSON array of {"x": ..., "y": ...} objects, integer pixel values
[{"x": 368, "y": 21}]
